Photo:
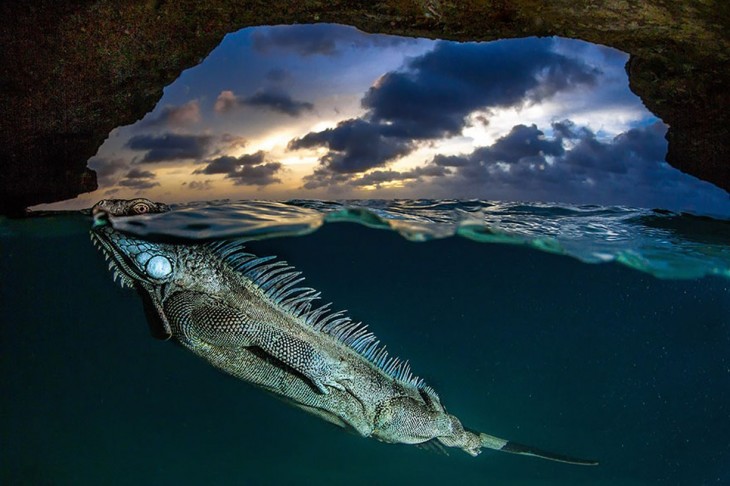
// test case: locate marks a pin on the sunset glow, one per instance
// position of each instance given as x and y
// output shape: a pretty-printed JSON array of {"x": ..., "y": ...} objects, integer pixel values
[{"x": 326, "y": 111}]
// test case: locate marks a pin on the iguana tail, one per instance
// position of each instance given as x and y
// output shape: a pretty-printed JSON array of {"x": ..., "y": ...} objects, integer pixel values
[{"x": 491, "y": 442}]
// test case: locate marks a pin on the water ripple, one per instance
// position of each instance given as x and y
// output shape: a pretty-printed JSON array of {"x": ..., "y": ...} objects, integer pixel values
[{"x": 664, "y": 244}]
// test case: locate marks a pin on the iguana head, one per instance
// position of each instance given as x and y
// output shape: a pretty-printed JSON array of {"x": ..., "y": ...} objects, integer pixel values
[
  {"x": 135, "y": 260},
  {"x": 129, "y": 207},
  {"x": 132, "y": 259}
]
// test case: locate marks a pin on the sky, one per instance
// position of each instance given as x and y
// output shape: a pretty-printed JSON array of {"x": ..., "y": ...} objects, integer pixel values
[{"x": 328, "y": 112}]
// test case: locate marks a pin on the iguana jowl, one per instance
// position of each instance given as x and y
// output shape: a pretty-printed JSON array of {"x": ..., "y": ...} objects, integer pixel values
[{"x": 250, "y": 317}]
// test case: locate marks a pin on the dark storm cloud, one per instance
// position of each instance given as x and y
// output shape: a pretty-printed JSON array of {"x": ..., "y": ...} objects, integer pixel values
[
  {"x": 523, "y": 145},
  {"x": 256, "y": 175},
  {"x": 248, "y": 169},
  {"x": 174, "y": 116},
  {"x": 139, "y": 179},
  {"x": 325, "y": 40},
  {"x": 107, "y": 169},
  {"x": 277, "y": 101},
  {"x": 229, "y": 165},
  {"x": 274, "y": 100},
  {"x": 354, "y": 146},
  {"x": 170, "y": 146},
  {"x": 139, "y": 174},
  {"x": 323, "y": 177},
  {"x": 109, "y": 173},
  {"x": 221, "y": 165},
  {"x": 434, "y": 94},
  {"x": 572, "y": 165}
]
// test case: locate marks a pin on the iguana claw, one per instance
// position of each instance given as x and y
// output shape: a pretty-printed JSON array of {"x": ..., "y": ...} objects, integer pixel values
[{"x": 334, "y": 378}]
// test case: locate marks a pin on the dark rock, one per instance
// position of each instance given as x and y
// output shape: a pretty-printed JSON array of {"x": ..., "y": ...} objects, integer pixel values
[{"x": 73, "y": 71}]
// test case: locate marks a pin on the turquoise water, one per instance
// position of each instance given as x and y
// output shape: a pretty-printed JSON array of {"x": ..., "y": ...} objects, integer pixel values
[{"x": 584, "y": 330}]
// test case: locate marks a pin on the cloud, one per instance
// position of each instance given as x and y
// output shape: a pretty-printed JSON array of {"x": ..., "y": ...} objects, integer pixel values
[
  {"x": 522, "y": 142},
  {"x": 354, "y": 146},
  {"x": 170, "y": 146},
  {"x": 226, "y": 101},
  {"x": 107, "y": 169},
  {"x": 233, "y": 141},
  {"x": 139, "y": 179},
  {"x": 174, "y": 116},
  {"x": 375, "y": 178},
  {"x": 248, "y": 169},
  {"x": 139, "y": 174},
  {"x": 573, "y": 165},
  {"x": 323, "y": 178},
  {"x": 325, "y": 40},
  {"x": 433, "y": 96},
  {"x": 274, "y": 100},
  {"x": 526, "y": 163},
  {"x": 220, "y": 165},
  {"x": 199, "y": 185},
  {"x": 256, "y": 175},
  {"x": 228, "y": 164},
  {"x": 277, "y": 101}
]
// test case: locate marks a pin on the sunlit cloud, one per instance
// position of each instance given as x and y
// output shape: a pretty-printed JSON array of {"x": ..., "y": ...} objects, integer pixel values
[
  {"x": 226, "y": 102},
  {"x": 173, "y": 116}
]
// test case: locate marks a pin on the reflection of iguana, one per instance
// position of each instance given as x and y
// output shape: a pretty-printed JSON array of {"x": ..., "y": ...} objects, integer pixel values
[{"x": 249, "y": 317}]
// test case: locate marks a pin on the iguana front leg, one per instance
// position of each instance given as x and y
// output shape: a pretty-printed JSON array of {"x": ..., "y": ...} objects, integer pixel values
[
  {"x": 220, "y": 325},
  {"x": 300, "y": 355}
]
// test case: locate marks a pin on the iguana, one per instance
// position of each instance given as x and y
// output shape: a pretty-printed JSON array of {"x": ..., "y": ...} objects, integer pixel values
[{"x": 250, "y": 317}]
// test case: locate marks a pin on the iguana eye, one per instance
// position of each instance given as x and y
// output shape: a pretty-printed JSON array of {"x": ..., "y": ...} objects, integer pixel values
[
  {"x": 140, "y": 208},
  {"x": 159, "y": 267}
]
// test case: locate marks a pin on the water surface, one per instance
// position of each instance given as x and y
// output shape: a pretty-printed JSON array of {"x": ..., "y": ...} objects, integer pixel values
[{"x": 597, "y": 360}]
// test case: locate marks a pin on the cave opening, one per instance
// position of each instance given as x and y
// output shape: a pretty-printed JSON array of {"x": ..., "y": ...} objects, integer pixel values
[{"x": 325, "y": 111}]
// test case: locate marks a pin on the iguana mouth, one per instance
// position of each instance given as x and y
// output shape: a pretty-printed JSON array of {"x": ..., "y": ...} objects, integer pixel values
[{"x": 119, "y": 263}]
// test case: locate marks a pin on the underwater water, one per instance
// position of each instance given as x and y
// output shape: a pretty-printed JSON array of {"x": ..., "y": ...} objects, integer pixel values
[{"x": 597, "y": 332}]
